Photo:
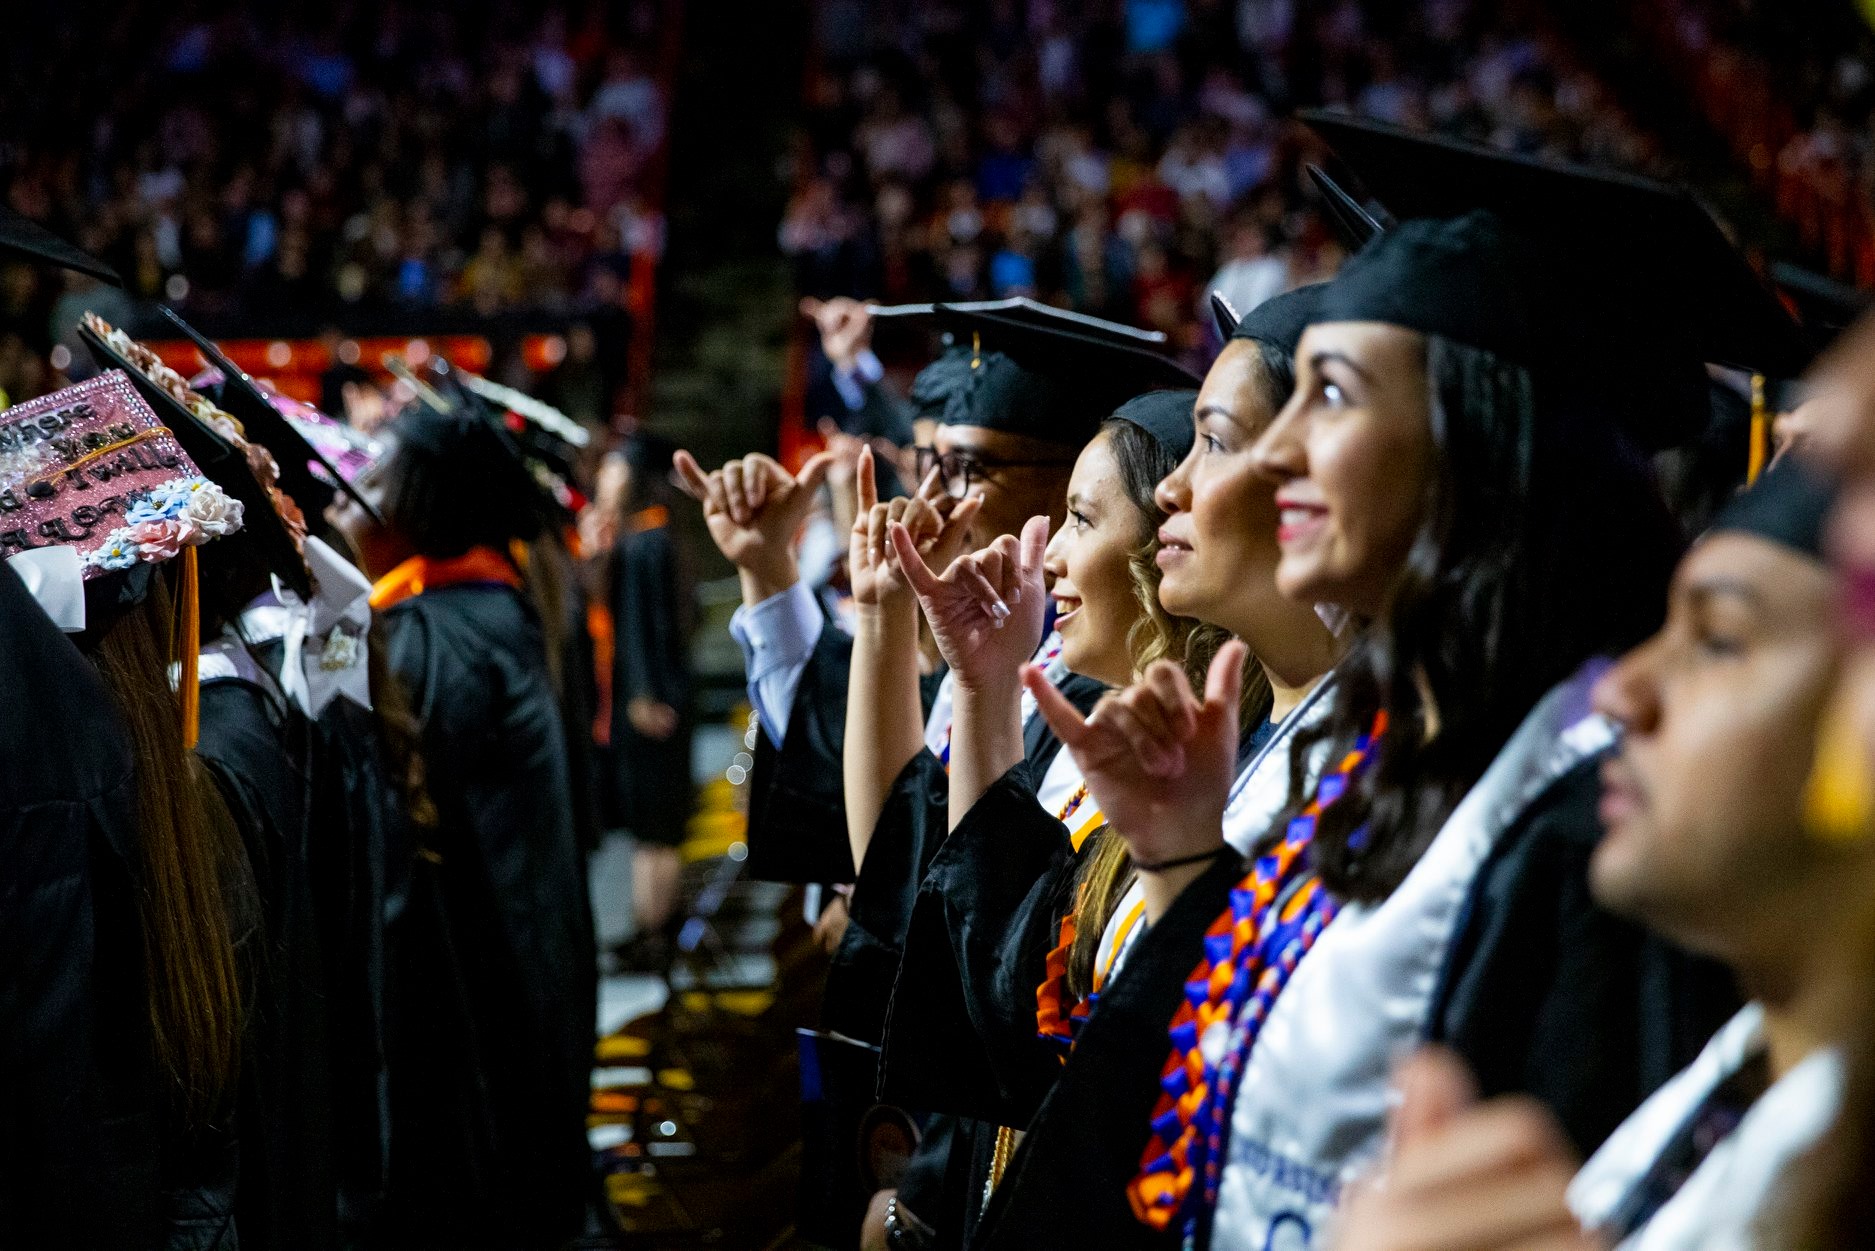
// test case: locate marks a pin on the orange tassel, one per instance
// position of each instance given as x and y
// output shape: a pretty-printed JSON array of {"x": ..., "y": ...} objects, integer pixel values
[
  {"x": 188, "y": 646},
  {"x": 1760, "y": 431}
]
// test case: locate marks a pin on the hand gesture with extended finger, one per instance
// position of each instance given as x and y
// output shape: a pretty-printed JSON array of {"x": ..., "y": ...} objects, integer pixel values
[
  {"x": 1460, "y": 1173},
  {"x": 934, "y": 521},
  {"x": 986, "y": 609},
  {"x": 754, "y": 507},
  {"x": 1159, "y": 761}
]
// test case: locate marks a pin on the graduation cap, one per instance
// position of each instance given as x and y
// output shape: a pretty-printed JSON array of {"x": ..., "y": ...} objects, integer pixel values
[
  {"x": 1281, "y": 319},
  {"x": 1224, "y": 316},
  {"x": 1353, "y": 223},
  {"x": 243, "y": 400},
  {"x": 22, "y": 236},
  {"x": 1475, "y": 281},
  {"x": 1165, "y": 416},
  {"x": 1021, "y": 309},
  {"x": 1655, "y": 256},
  {"x": 220, "y": 459},
  {"x": 1049, "y": 374}
]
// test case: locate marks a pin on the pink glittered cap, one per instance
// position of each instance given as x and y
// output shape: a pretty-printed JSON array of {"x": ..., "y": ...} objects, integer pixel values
[{"x": 72, "y": 463}]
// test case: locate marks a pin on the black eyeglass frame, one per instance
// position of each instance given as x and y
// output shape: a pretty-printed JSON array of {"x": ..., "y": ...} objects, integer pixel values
[{"x": 966, "y": 467}]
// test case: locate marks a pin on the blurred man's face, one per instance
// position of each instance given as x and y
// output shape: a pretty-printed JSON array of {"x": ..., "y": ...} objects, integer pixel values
[{"x": 1702, "y": 805}]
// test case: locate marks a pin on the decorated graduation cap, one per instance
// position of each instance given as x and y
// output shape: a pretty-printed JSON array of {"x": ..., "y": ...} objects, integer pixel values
[
  {"x": 305, "y": 474},
  {"x": 1653, "y": 256},
  {"x": 1046, "y": 373},
  {"x": 274, "y": 526},
  {"x": 1165, "y": 416},
  {"x": 95, "y": 492},
  {"x": 23, "y": 237}
]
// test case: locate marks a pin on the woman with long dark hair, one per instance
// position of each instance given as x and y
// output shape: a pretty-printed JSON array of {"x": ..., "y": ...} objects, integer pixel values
[
  {"x": 131, "y": 928},
  {"x": 492, "y": 1030},
  {"x": 1488, "y": 532}
]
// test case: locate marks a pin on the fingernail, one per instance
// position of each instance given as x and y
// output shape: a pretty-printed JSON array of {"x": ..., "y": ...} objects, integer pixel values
[
  {"x": 1000, "y": 611},
  {"x": 1015, "y": 595}
]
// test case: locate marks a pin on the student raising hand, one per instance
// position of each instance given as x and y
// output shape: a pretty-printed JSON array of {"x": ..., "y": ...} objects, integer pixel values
[
  {"x": 986, "y": 609},
  {"x": 1463, "y": 1174},
  {"x": 1160, "y": 762},
  {"x": 935, "y": 524},
  {"x": 754, "y": 508}
]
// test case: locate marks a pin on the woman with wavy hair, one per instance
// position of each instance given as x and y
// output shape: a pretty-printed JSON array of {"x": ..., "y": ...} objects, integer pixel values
[{"x": 1443, "y": 480}]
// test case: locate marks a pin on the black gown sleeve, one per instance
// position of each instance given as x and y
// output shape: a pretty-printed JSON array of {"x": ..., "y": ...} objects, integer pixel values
[
  {"x": 1549, "y": 994},
  {"x": 1066, "y": 1185},
  {"x": 911, "y": 827},
  {"x": 960, "y": 1033},
  {"x": 797, "y": 801}
]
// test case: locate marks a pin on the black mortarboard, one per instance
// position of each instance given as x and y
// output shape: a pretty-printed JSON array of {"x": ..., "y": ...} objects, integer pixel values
[
  {"x": 1050, "y": 375},
  {"x": 1280, "y": 320},
  {"x": 1353, "y": 223},
  {"x": 22, "y": 236},
  {"x": 1166, "y": 416},
  {"x": 1034, "y": 314},
  {"x": 1475, "y": 281},
  {"x": 222, "y": 463},
  {"x": 1224, "y": 315},
  {"x": 1789, "y": 505},
  {"x": 1467, "y": 279},
  {"x": 1827, "y": 307},
  {"x": 1655, "y": 256},
  {"x": 937, "y": 383},
  {"x": 242, "y": 398}
]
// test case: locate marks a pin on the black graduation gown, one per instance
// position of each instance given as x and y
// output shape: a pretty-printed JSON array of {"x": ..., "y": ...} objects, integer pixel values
[
  {"x": 82, "y": 1152},
  {"x": 906, "y": 844},
  {"x": 648, "y": 779},
  {"x": 354, "y": 833},
  {"x": 1066, "y": 1185},
  {"x": 1549, "y": 994},
  {"x": 797, "y": 800},
  {"x": 1544, "y": 993},
  {"x": 259, "y": 751},
  {"x": 913, "y": 826},
  {"x": 960, "y": 1032},
  {"x": 493, "y": 1018}
]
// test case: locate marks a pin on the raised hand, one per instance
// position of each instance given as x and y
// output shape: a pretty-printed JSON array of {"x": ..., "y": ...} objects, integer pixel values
[
  {"x": 1464, "y": 1174},
  {"x": 1159, "y": 761},
  {"x": 845, "y": 327},
  {"x": 986, "y": 610},
  {"x": 753, "y": 508},
  {"x": 934, "y": 520}
]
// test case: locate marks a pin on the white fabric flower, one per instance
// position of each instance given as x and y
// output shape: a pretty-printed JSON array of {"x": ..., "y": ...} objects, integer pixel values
[{"x": 209, "y": 514}]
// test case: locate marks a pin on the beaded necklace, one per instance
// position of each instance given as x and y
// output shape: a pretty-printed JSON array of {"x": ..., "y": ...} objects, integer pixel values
[{"x": 1275, "y": 915}]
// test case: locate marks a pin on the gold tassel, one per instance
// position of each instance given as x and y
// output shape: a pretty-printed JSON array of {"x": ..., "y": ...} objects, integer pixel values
[
  {"x": 188, "y": 647},
  {"x": 1838, "y": 799},
  {"x": 976, "y": 349},
  {"x": 1760, "y": 431}
]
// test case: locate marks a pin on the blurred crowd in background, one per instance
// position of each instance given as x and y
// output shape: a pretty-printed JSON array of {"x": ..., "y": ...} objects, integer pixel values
[
  {"x": 333, "y": 161},
  {"x": 1124, "y": 157}
]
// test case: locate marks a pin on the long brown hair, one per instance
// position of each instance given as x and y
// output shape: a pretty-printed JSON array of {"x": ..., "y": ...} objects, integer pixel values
[
  {"x": 1106, "y": 868},
  {"x": 192, "y": 862}
]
